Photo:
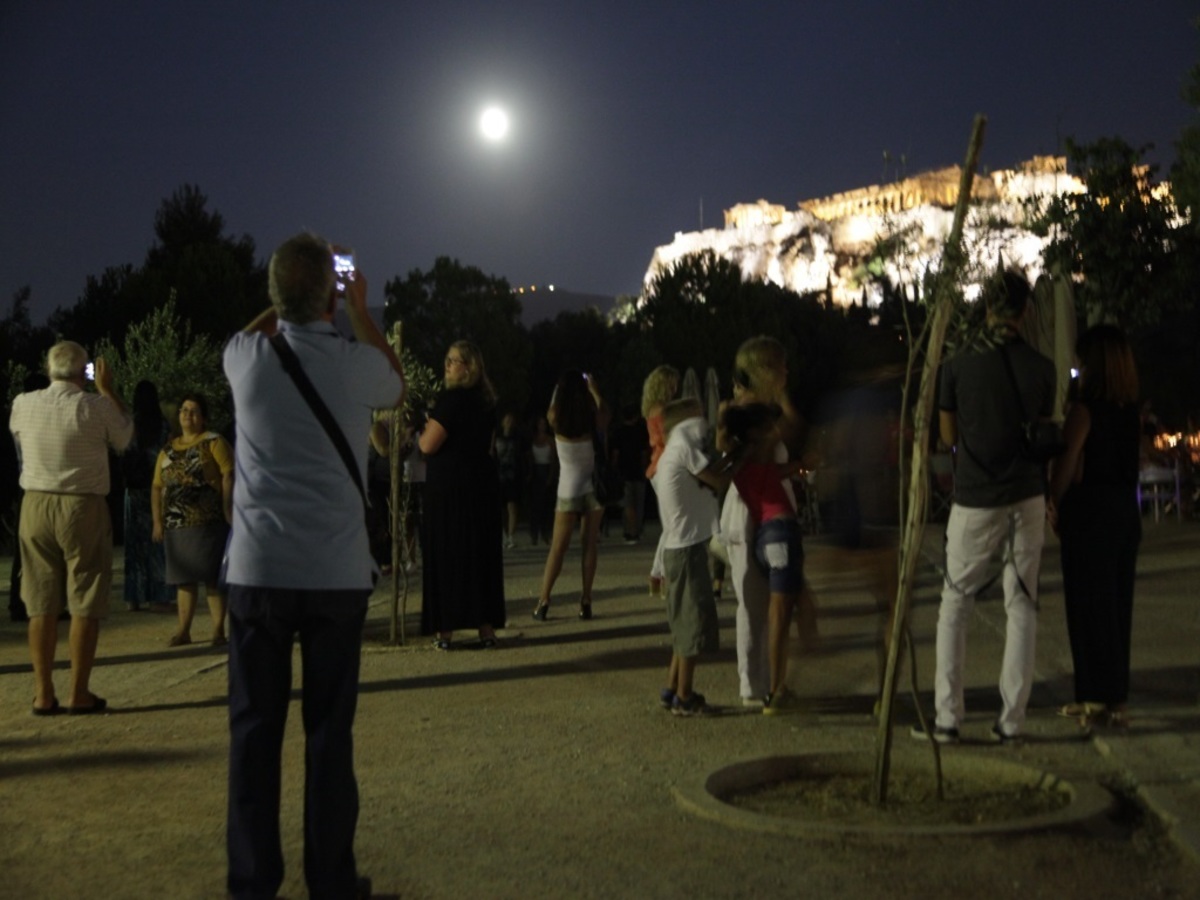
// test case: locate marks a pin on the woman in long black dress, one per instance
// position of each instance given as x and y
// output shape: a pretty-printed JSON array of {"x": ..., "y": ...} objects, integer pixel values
[
  {"x": 463, "y": 564},
  {"x": 1094, "y": 508}
]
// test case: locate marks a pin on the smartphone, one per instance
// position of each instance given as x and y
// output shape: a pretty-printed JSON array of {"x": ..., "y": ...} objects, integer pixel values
[
  {"x": 343, "y": 267},
  {"x": 89, "y": 371}
]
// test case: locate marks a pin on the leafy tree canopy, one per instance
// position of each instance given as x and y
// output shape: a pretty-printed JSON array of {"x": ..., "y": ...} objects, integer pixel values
[
  {"x": 22, "y": 346},
  {"x": 701, "y": 309},
  {"x": 216, "y": 282},
  {"x": 1116, "y": 240},
  {"x": 454, "y": 302},
  {"x": 1185, "y": 173},
  {"x": 163, "y": 349}
]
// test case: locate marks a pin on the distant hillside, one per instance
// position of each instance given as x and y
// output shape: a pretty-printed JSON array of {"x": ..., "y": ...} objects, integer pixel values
[
  {"x": 546, "y": 304},
  {"x": 536, "y": 306}
]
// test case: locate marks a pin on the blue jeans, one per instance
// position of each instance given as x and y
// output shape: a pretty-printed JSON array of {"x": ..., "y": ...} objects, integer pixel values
[{"x": 263, "y": 625}]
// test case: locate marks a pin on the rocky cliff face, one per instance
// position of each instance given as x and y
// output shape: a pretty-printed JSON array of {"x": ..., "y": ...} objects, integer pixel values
[{"x": 822, "y": 245}]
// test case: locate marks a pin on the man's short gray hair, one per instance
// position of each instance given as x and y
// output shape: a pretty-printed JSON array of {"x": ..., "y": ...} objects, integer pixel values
[
  {"x": 301, "y": 278},
  {"x": 66, "y": 361}
]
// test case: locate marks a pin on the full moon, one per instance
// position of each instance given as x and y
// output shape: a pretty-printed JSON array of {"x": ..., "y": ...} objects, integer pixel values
[{"x": 493, "y": 124}]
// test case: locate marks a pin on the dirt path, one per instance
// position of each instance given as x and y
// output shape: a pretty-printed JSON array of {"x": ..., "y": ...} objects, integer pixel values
[{"x": 541, "y": 769}]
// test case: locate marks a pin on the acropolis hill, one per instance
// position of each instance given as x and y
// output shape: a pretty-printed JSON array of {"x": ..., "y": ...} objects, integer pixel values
[{"x": 821, "y": 244}]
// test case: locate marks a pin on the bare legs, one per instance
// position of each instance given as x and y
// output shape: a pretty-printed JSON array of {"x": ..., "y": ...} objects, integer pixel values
[
  {"x": 43, "y": 644},
  {"x": 590, "y": 535},
  {"x": 510, "y": 528},
  {"x": 779, "y": 619},
  {"x": 680, "y": 675},
  {"x": 560, "y": 540},
  {"x": 186, "y": 600},
  {"x": 85, "y": 633}
]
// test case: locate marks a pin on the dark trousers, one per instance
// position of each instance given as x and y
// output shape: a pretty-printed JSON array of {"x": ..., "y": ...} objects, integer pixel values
[
  {"x": 263, "y": 625},
  {"x": 1100, "y": 529}
]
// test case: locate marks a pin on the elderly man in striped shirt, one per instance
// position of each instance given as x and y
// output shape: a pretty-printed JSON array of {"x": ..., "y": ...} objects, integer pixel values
[{"x": 63, "y": 433}]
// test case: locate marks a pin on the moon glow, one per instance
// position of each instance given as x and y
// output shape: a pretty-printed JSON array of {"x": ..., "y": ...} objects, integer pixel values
[{"x": 493, "y": 124}]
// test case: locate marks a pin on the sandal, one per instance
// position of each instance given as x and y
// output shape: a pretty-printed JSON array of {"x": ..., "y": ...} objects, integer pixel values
[
  {"x": 1080, "y": 710},
  {"x": 585, "y": 609},
  {"x": 540, "y": 613},
  {"x": 179, "y": 640}
]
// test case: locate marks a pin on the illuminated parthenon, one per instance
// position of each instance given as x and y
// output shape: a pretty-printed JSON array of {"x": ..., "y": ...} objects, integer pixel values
[{"x": 936, "y": 188}]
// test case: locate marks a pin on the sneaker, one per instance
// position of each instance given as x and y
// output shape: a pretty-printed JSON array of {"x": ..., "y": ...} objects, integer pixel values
[
  {"x": 940, "y": 734},
  {"x": 441, "y": 644},
  {"x": 666, "y": 698},
  {"x": 755, "y": 702},
  {"x": 999, "y": 737},
  {"x": 692, "y": 706},
  {"x": 781, "y": 703}
]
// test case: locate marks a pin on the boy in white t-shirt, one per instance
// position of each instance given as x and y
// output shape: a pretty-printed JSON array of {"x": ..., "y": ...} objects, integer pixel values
[{"x": 686, "y": 484}]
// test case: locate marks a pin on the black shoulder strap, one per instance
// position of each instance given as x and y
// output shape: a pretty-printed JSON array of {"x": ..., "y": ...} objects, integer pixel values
[
  {"x": 291, "y": 365},
  {"x": 1012, "y": 379}
]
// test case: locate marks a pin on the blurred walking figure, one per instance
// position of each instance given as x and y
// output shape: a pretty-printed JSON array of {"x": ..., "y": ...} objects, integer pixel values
[
  {"x": 145, "y": 563},
  {"x": 508, "y": 468},
  {"x": 542, "y": 483},
  {"x": 630, "y": 449}
]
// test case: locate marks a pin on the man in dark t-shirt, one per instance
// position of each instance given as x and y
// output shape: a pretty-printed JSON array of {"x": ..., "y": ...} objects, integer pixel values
[{"x": 999, "y": 505}]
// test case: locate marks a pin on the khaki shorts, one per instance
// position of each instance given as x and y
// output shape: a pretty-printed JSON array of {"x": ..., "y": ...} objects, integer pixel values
[
  {"x": 66, "y": 554},
  {"x": 691, "y": 610}
]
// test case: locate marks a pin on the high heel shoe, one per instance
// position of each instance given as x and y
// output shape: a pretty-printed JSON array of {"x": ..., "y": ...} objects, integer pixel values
[
  {"x": 585, "y": 610},
  {"x": 540, "y": 613}
]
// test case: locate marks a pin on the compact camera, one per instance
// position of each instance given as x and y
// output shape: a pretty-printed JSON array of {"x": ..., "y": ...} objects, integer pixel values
[{"x": 343, "y": 268}]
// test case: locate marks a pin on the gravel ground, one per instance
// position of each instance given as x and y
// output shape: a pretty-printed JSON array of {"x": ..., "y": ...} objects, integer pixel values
[{"x": 543, "y": 768}]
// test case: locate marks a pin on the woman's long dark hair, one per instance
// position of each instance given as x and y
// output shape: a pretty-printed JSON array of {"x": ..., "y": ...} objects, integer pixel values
[{"x": 574, "y": 407}]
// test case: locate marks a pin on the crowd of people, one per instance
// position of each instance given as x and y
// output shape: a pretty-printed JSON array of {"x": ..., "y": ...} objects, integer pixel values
[{"x": 290, "y": 548}]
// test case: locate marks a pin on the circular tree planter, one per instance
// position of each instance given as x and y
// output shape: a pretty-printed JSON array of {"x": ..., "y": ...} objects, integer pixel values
[{"x": 725, "y": 795}]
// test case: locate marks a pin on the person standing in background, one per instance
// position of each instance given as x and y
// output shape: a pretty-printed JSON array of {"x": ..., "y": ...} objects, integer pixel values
[
  {"x": 191, "y": 500},
  {"x": 1094, "y": 508},
  {"x": 63, "y": 434},
  {"x": 463, "y": 564},
  {"x": 145, "y": 563},
  {"x": 630, "y": 458}
]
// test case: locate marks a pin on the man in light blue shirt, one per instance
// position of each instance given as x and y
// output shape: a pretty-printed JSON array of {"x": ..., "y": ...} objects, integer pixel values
[{"x": 299, "y": 564}]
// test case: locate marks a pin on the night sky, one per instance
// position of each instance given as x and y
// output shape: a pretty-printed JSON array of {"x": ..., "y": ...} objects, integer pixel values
[{"x": 629, "y": 120}]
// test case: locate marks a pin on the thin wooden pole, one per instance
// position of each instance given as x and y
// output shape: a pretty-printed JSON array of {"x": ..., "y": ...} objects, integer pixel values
[{"x": 918, "y": 486}]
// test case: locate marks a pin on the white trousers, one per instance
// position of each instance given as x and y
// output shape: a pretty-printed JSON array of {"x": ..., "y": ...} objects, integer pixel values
[
  {"x": 753, "y": 597},
  {"x": 973, "y": 536}
]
